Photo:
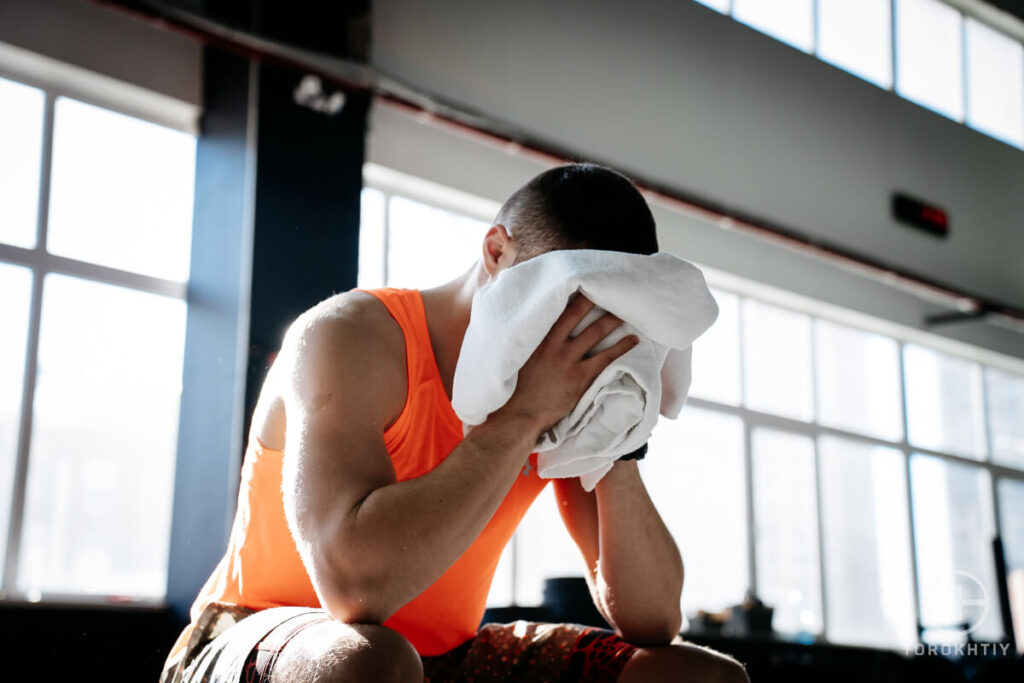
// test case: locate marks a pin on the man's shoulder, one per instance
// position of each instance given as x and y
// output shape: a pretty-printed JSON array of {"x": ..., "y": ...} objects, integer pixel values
[
  {"x": 355, "y": 322},
  {"x": 344, "y": 314},
  {"x": 352, "y": 338}
]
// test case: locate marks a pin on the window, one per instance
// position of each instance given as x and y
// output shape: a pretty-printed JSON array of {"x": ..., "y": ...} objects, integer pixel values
[
  {"x": 412, "y": 244},
  {"x": 791, "y": 21},
  {"x": 16, "y": 284},
  {"x": 944, "y": 402},
  {"x": 94, "y": 300},
  {"x": 777, "y": 361},
  {"x": 866, "y": 534},
  {"x": 21, "y": 139},
  {"x": 695, "y": 475},
  {"x": 791, "y": 468},
  {"x": 788, "y": 20},
  {"x": 928, "y": 58},
  {"x": 1011, "y": 521},
  {"x": 857, "y": 37},
  {"x": 959, "y": 67},
  {"x": 858, "y": 380},
  {"x": 995, "y": 77},
  {"x": 98, "y": 503},
  {"x": 953, "y": 528},
  {"x": 786, "y": 530},
  {"x": 112, "y": 202},
  {"x": 717, "y": 5},
  {"x": 1005, "y": 395},
  {"x": 716, "y": 376}
]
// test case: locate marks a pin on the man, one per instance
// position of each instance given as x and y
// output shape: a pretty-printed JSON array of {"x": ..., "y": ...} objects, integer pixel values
[{"x": 368, "y": 527}]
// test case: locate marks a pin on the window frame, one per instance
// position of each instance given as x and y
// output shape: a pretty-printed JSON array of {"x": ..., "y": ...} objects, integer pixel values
[
  {"x": 56, "y": 79},
  {"x": 990, "y": 17},
  {"x": 390, "y": 183}
]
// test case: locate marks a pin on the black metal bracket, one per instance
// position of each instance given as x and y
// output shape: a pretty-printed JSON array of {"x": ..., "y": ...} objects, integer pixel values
[{"x": 957, "y": 316}]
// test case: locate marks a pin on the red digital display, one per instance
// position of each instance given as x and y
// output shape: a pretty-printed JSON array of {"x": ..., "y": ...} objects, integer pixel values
[{"x": 920, "y": 214}]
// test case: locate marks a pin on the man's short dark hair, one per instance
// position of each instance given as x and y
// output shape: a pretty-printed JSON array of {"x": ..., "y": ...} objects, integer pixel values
[{"x": 578, "y": 206}]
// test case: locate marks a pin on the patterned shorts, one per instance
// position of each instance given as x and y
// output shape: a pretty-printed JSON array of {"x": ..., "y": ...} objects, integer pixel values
[{"x": 512, "y": 652}]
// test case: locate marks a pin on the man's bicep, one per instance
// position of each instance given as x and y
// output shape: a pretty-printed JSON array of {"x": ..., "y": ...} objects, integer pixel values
[{"x": 334, "y": 447}]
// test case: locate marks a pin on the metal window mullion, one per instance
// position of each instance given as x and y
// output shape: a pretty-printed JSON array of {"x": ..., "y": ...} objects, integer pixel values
[
  {"x": 964, "y": 80},
  {"x": 815, "y": 28},
  {"x": 15, "y": 520},
  {"x": 905, "y": 449},
  {"x": 748, "y": 457},
  {"x": 993, "y": 479},
  {"x": 893, "y": 43},
  {"x": 42, "y": 260},
  {"x": 815, "y": 430},
  {"x": 819, "y": 515}
]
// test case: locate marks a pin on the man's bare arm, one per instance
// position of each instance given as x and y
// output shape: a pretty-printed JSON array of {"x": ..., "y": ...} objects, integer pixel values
[
  {"x": 634, "y": 569},
  {"x": 372, "y": 544}
]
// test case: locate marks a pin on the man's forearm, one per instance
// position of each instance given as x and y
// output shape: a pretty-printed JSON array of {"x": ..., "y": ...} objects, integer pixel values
[
  {"x": 404, "y": 536},
  {"x": 640, "y": 571}
]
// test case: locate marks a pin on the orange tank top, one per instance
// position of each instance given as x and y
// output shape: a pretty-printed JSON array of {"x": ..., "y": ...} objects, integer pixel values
[{"x": 262, "y": 567}]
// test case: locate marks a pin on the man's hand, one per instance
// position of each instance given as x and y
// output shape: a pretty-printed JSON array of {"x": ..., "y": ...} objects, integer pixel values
[{"x": 558, "y": 373}]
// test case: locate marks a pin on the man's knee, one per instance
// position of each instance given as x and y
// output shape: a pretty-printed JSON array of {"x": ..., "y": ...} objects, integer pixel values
[
  {"x": 681, "y": 661},
  {"x": 334, "y": 652}
]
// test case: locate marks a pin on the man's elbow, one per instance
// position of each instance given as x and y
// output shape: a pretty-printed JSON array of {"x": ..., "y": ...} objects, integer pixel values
[
  {"x": 352, "y": 594},
  {"x": 652, "y": 631},
  {"x": 355, "y": 601}
]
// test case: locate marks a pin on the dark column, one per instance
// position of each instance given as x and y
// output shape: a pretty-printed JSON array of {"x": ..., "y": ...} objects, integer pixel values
[
  {"x": 308, "y": 182},
  {"x": 210, "y": 426},
  {"x": 276, "y": 230}
]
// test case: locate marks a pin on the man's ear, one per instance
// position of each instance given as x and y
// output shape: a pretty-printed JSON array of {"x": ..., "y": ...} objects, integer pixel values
[{"x": 499, "y": 251}]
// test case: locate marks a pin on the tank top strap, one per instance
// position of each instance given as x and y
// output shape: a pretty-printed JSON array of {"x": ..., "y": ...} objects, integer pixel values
[{"x": 406, "y": 307}]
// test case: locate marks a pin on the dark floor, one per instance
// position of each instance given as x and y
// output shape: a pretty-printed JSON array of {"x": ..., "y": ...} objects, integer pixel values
[{"x": 129, "y": 644}]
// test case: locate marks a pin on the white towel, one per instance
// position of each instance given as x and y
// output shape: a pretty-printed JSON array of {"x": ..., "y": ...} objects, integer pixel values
[{"x": 661, "y": 298}]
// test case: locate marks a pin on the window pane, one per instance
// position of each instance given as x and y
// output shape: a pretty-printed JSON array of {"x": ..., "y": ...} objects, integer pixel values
[
  {"x": 856, "y": 36},
  {"x": 121, "y": 192},
  {"x": 545, "y": 549},
  {"x": 867, "y": 545},
  {"x": 716, "y": 372},
  {"x": 101, "y": 471},
  {"x": 500, "y": 594},
  {"x": 1005, "y": 403},
  {"x": 953, "y": 530},
  {"x": 995, "y": 83},
  {"x": 858, "y": 376},
  {"x": 694, "y": 474},
  {"x": 719, "y": 5},
  {"x": 1011, "y": 521},
  {"x": 429, "y": 246},
  {"x": 371, "y": 238},
  {"x": 21, "y": 140},
  {"x": 928, "y": 61},
  {"x": 777, "y": 360},
  {"x": 944, "y": 408},
  {"x": 786, "y": 538},
  {"x": 16, "y": 285},
  {"x": 791, "y": 21}
]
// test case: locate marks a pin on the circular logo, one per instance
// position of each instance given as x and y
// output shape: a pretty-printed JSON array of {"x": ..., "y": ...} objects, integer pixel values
[{"x": 967, "y": 596}]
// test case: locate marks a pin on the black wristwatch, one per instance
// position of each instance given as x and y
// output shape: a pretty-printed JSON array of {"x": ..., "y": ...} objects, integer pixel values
[{"x": 638, "y": 454}]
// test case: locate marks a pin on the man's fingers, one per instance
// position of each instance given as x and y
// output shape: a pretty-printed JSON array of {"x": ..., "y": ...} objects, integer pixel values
[
  {"x": 594, "y": 333},
  {"x": 599, "y": 361},
  {"x": 574, "y": 312}
]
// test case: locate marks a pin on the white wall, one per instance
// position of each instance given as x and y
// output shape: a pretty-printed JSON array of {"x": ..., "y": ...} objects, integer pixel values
[
  {"x": 106, "y": 42},
  {"x": 682, "y": 96}
]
